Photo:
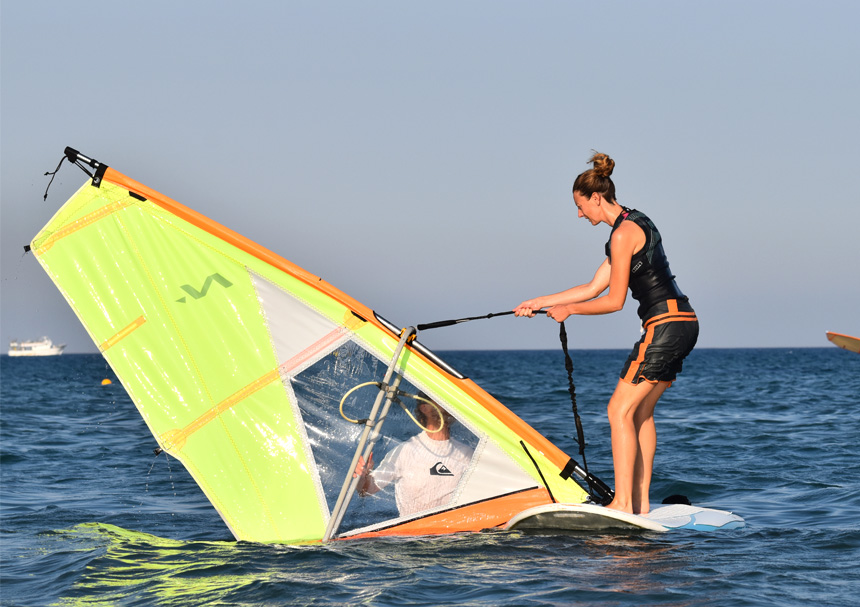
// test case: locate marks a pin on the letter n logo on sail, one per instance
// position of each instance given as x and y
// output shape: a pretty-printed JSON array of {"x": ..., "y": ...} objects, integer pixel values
[{"x": 206, "y": 285}]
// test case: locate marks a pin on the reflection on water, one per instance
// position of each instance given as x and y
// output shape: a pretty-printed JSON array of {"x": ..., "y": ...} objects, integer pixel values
[
  {"x": 125, "y": 564},
  {"x": 127, "y": 567}
]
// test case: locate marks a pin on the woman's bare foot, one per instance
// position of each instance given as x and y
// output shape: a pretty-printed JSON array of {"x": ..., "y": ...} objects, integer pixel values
[
  {"x": 616, "y": 505},
  {"x": 643, "y": 509}
]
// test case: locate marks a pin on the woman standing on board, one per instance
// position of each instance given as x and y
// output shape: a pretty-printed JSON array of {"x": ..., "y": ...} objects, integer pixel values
[{"x": 634, "y": 259}]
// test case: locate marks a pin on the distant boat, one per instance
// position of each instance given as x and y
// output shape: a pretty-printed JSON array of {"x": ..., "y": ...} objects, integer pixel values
[
  {"x": 852, "y": 344},
  {"x": 39, "y": 347}
]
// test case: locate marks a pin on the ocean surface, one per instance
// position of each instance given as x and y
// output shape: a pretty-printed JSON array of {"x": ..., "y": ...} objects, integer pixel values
[{"x": 89, "y": 515}]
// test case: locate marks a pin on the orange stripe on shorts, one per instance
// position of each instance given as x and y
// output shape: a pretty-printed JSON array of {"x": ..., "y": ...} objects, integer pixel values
[{"x": 640, "y": 358}]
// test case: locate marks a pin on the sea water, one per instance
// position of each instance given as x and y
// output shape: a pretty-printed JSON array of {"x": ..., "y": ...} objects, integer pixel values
[{"x": 91, "y": 516}]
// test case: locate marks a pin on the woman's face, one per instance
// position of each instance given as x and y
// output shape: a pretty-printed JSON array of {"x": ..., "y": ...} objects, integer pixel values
[{"x": 587, "y": 207}]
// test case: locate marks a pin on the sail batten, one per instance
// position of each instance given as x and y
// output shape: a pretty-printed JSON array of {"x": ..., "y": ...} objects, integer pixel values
[{"x": 237, "y": 360}]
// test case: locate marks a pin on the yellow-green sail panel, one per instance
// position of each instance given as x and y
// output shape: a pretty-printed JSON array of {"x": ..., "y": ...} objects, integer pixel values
[{"x": 152, "y": 291}]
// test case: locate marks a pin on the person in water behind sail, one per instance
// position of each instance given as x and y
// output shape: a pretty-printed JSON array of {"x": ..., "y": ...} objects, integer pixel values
[
  {"x": 425, "y": 469},
  {"x": 634, "y": 258}
]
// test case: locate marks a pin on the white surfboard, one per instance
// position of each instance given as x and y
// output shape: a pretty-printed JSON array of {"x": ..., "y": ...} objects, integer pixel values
[{"x": 590, "y": 517}]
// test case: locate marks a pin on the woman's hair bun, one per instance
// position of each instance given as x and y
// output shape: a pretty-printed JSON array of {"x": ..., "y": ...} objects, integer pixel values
[{"x": 603, "y": 164}]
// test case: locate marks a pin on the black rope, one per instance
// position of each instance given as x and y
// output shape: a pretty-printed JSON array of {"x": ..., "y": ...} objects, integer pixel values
[
  {"x": 52, "y": 174},
  {"x": 72, "y": 156},
  {"x": 448, "y": 323},
  {"x": 571, "y": 388},
  {"x": 540, "y": 473},
  {"x": 79, "y": 160}
]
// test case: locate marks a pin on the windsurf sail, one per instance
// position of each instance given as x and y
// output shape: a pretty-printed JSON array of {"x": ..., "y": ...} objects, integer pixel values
[{"x": 269, "y": 384}]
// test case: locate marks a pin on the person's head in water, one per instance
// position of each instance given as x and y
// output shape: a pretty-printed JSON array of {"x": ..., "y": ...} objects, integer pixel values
[{"x": 594, "y": 187}]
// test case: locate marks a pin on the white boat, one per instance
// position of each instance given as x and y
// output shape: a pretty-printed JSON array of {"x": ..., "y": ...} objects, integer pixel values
[{"x": 38, "y": 347}]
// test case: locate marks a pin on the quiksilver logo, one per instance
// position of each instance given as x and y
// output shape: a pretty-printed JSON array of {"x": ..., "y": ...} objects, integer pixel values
[
  {"x": 440, "y": 469},
  {"x": 206, "y": 285}
]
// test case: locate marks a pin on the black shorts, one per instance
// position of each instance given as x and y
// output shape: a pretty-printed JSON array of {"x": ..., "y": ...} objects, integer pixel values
[{"x": 671, "y": 331}]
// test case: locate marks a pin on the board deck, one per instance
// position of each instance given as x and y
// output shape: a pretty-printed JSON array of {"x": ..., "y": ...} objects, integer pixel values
[{"x": 590, "y": 517}]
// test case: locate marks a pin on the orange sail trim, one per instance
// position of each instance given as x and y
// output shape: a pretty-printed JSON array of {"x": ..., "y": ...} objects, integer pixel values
[
  {"x": 474, "y": 517},
  {"x": 81, "y": 223},
  {"x": 312, "y": 350},
  {"x": 507, "y": 417},
  {"x": 175, "y": 439},
  {"x": 122, "y": 334}
]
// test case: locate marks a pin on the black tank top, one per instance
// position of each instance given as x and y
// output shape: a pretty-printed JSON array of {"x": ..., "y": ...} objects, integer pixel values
[{"x": 651, "y": 281}]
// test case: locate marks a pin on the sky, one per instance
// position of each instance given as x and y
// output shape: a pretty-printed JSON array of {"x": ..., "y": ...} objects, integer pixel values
[{"x": 419, "y": 155}]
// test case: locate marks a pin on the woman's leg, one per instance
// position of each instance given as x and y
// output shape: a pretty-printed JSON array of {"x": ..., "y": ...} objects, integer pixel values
[
  {"x": 646, "y": 432},
  {"x": 626, "y": 428}
]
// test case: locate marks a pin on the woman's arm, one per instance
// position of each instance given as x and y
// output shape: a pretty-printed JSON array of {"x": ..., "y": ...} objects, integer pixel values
[
  {"x": 625, "y": 241},
  {"x": 579, "y": 293}
]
